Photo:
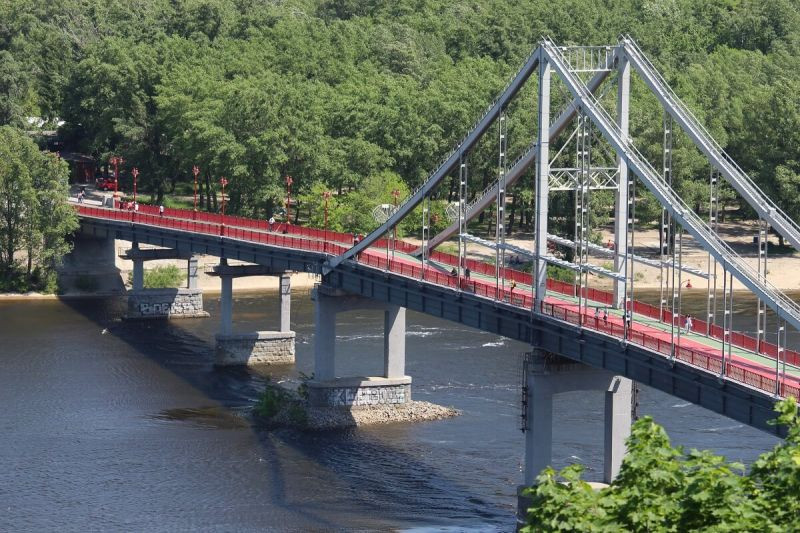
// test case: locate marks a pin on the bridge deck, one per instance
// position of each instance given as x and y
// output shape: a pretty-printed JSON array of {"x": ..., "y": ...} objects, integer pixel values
[{"x": 747, "y": 366}]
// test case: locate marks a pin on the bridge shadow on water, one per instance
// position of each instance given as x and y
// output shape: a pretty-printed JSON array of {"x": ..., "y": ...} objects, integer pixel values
[{"x": 353, "y": 474}]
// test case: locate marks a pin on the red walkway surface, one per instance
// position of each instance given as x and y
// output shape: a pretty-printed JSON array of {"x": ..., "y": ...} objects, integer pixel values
[{"x": 333, "y": 243}]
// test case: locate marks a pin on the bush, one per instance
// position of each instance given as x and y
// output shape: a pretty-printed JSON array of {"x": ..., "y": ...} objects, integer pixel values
[
  {"x": 162, "y": 277},
  {"x": 560, "y": 273},
  {"x": 664, "y": 488},
  {"x": 271, "y": 402},
  {"x": 297, "y": 414}
]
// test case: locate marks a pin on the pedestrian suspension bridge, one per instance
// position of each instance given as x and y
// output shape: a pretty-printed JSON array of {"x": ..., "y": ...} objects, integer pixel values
[{"x": 586, "y": 147}]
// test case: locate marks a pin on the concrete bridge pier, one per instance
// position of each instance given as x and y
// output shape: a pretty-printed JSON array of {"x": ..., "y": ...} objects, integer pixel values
[
  {"x": 91, "y": 266},
  {"x": 256, "y": 347},
  {"x": 547, "y": 375},
  {"x": 329, "y": 390},
  {"x": 184, "y": 302}
]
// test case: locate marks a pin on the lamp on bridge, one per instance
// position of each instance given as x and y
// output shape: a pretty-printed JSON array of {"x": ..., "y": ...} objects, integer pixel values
[
  {"x": 326, "y": 195},
  {"x": 134, "y": 172},
  {"x": 196, "y": 172},
  {"x": 223, "y": 182},
  {"x": 116, "y": 161},
  {"x": 289, "y": 182},
  {"x": 395, "y": 196}
]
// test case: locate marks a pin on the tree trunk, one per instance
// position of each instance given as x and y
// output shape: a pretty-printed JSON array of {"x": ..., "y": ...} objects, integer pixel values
[
  {"x": 30, "y": 262},
  {"x": 453, "y": 193},
  {"x": 512, "y": 215}
]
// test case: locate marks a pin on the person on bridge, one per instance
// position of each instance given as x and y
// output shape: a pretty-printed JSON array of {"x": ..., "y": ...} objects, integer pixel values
[
  {"x": 466, "y": 273},
  {"x": 605, "y": 316},
  {"x": 454, "y": 272},
  {"x": 271, "y": 222},
  {"x": 689, "y": 323},
  {"x": 161, "y": 210}
]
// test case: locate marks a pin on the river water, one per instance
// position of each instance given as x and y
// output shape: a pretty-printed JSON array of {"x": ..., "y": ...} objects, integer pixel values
[{"x": 115, "y": 425}]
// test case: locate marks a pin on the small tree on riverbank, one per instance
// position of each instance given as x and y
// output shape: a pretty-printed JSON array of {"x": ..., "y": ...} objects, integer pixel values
[
  {"x": 662, "y": 488},
  {"x": 34, "y": 215}
]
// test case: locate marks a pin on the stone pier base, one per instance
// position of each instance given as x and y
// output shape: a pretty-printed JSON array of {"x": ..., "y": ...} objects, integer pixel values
[
  {"x": 256, "y": 348},
  {"x": 166, "y": 303},
  {"x": 359, "y": 392}
]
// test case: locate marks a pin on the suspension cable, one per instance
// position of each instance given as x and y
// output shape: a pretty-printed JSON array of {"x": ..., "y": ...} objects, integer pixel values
[
  {"x": 500, "y": 234},
  {"x": 426, "y": 201},
  {"x": 713, "y": 213},
  {"x": 761, "y": 316},
  {"x": 462, "y": 215},
  {"x": 726, "y": 316}
]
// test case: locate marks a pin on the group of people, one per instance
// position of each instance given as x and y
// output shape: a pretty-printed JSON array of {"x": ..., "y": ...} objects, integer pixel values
[
  {"x": 688, "y": 323},
  {"x": 134, "y": 206},
  {"x": 454, "y": 272}
]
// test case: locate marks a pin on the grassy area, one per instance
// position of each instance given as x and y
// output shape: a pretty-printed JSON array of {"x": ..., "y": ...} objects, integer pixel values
[{"x": 162, "y": 277}]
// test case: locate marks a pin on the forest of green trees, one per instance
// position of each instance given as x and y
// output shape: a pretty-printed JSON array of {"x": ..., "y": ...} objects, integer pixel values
[
  {"x": 361, "y": 96},
  {"x": 364, "y": 97}
]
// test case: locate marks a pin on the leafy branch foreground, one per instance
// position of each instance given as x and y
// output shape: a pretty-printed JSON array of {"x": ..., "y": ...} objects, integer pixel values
[{"x": 662, "y": 488}]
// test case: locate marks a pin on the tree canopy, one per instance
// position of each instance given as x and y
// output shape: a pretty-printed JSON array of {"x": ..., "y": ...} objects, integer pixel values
[
  {"x": 34, "y": 217},
  {"x": 663, "y": 488},
  {"x": 339, "y": 92}
]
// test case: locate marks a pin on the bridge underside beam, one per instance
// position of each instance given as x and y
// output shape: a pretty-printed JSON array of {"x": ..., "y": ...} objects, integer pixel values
[
  {"x": 155, "y": 254},
  {"x": 240, "y": 271}
]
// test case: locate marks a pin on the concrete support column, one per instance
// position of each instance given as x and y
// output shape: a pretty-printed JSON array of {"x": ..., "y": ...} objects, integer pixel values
[
  {"x": 621, "y": 197},
  {"x": 394, "y": 342},
  {"x": 138, "y": 274},
  {"x": 191, "y": 274},
  {"x": 226, "y": 305},
  {"x": 324, "y": 337},
  {"x": 542, "y": 182},
  {"x": 286, "y": 302},
  {"x": 539, "y": 436},
  {"x": 547, "y": 375},
  {"x": 618, "y": 417}
]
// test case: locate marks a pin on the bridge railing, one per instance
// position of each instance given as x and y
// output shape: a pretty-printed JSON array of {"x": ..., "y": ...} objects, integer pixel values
[
  {"x": 711, "y": 362},
  {"x": 736, "y": 371},
  {"x": 194, "y": 226},
  {"x": 306, "y": 242},
  {"x": 249, "y": 223}
]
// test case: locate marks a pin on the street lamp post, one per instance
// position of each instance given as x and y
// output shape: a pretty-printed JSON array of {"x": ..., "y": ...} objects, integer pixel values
[
  {"x": 395, "y": 196},
  {"x": 289, "y": 182},
  {"x": 196, "y": 172},
  {"x": 135, "y": 173},
  {"x": 223, "y": 182},
  {"x": 116, "y": 161},
  {"x": 326, "y": 195}
]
